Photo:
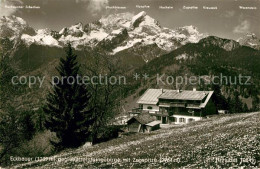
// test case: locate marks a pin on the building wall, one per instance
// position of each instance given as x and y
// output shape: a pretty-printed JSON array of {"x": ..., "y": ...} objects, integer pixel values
[
  {"x": 154, "y": 108},
  {"x": 133, "y": 126},
  {"x": 179, "y": 119},
  {"x": 152, "y": 128}
]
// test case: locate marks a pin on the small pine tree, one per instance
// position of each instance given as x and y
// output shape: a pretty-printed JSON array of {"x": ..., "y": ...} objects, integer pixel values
[
  {"x": 237, "y": 103},
  {"x": 28, "y": 125},
  {"x": 67, "y": 105},
  {"x": 229, "y": 106},
  {"x": 255, "y": 103},
  {"x": 245, "y": 108},
  {"x": 218, "y": 98}
]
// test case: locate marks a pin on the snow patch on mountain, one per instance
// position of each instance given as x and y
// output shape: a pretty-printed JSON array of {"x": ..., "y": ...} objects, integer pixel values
[
  {"x": 99, "y": 35},
  {"x": 128, "y": 45},
  {"x": 76, "y": 28},
  {"x": 115, "y": 32},
  {"x": 62, "y": 31},
  {"x": 43, "y": 37},
  {"x": 21, "y": 21},
  {"x": 90, "y": 39}
]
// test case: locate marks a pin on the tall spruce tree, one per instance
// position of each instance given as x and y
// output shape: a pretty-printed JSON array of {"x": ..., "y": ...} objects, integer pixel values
[
  {"x": 236, "y": 103},
  {"x": 67, "y": 109}
]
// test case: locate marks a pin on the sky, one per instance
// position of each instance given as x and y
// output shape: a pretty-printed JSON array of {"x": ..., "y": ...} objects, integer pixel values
[{"x": 228, "y": 21}]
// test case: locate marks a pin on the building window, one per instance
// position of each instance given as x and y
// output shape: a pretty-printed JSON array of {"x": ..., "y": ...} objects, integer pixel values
[
  {"x": 149, "y": 107},
  {"x": 182, "y": 120},
  {"x": 159, "y": 118},
  {"x": 191, "y": 120}
]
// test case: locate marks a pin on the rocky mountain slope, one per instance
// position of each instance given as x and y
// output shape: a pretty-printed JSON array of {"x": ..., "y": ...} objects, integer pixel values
[{"x": 250, "y": 40}]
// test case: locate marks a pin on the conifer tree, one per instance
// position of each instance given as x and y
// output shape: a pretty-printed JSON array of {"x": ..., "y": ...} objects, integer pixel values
[
  {"x": 245, "y": 108},
  {"x": 237, "y": 103},
  {"x": 67, "y": 108},
  {"x": 255, "y": 103}
]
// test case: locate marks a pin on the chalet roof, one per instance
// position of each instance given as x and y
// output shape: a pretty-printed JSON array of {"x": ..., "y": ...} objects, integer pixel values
[
  {"x": 153, "y": 123},
  {"x": 143, "y": 118},
  {"x": 150, "y": 96},
  {"x": 207, "y": 99},
  {"x": 184, "y": 95}
]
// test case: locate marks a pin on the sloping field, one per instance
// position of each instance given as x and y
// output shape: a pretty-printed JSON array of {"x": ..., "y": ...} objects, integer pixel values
[{"x": 218, "y": 142}]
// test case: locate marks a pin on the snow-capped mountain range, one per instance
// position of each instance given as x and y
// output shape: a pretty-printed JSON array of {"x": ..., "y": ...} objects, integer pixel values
[
  {"x": 113, "y": 33},
  {"x": 124, "y": 29}
]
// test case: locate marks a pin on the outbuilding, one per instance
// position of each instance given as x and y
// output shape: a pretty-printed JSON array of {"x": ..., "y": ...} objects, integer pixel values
[
  {"x": 142, "y": 123},
  {"x": 154, "y": 125}
]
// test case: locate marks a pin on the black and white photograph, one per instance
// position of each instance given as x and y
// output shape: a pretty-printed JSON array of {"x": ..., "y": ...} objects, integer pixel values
[{"x": 130, "y": 84}]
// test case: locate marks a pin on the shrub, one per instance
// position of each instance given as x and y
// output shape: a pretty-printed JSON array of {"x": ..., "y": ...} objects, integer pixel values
[
  {"x": 108, "y": 133},
  {"x": 38, "y": 146}
]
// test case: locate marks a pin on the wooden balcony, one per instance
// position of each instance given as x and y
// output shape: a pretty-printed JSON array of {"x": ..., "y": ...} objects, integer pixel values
[
  {"x": 159, "y": 113},
  {"x": 137, "y": 111},
  {"x": 196, "y": 114},
  {"x": 172, "y": 104},
  {"x": 193, "y": 105}
]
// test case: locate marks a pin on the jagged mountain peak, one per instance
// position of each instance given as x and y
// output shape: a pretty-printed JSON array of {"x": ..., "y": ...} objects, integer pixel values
[
  {"x": 75, "y": 30},
  {"x": 137, "y": 19},
  {"x": 12, "y": 26},
  {"x": 190, "y": 33},
  {"x": 252, "y": 35},
  {"x": 142, "y": 19},
  {"x": 139, "y": 15},
  {"x": 250, "y": 40},
  {"x": 127, "y": 20},
  {"x": 117, "y": 20},
  {"x": 12, "y": 19},
  {"x": 188, "y": 30}
]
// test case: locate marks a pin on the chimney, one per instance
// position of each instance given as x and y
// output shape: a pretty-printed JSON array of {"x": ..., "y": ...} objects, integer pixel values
[
  {"x": 194, "y": 89},
  {"x": 178, "y": 90}
]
